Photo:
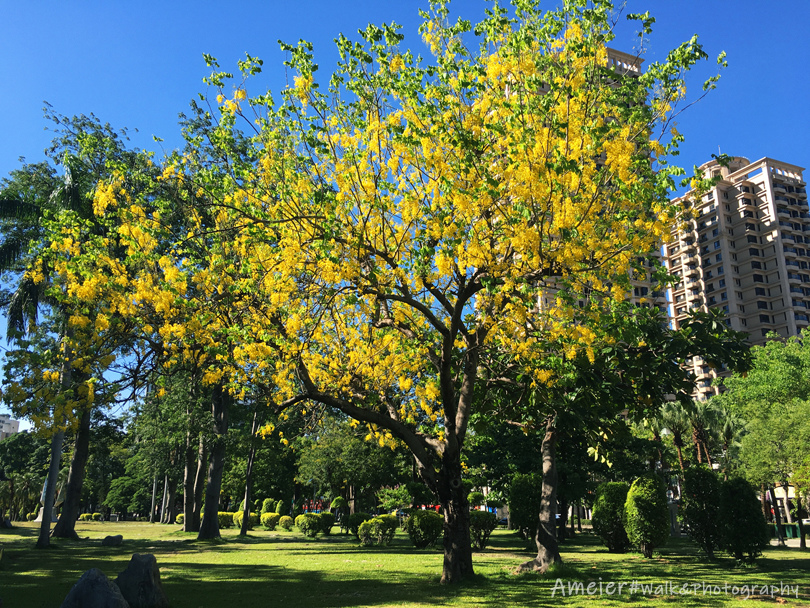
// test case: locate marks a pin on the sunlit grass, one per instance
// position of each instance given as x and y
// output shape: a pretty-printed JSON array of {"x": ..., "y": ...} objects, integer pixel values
[{"x": 284, "y": 569}]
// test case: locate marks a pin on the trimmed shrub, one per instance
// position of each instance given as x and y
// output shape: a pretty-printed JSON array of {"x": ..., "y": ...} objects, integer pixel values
[
  {"x": 354, "y": 520},
  {"x": 700, "y": 508},
  {"x": 280, "y": 508},
  {"x": 286, "y": 522},
  {"x": 743, "y": 530},
  {"x": 31, "y": 516},
  {"x": 609, "y": 515},
  {"x": 239, "y": 515},
  {"x": 268, "y": 506},
  {"x": 309, "y": 524},
  {"x": 424, "y": 527},
  {"x": 180, "y": 519},
  {"x": 327, "y": 521},
  {"x": 377, "y": 530},
  {"x": 338, "y": 503},
  {"x": 96, "y": 516},
  {"x": 225, "y": 519},
  {"x": 270, "y": 520},
  {"x": 525, "y": 499},
  {"x": 482, "y": 523},
  {"x": 476, "y": 499},
  {"x": 83, "y": 517},
  {"x": 646, "y": 512}
]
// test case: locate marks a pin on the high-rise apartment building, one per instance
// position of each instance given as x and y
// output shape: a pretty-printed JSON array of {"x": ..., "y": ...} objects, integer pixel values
[
  {"x": 747, "y": 251},
  {"x": 8, "y": 426}
]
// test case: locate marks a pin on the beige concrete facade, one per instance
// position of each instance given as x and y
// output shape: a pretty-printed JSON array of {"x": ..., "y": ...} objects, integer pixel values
[
  {"x": 8, "y": 426},
  {"x": 747, "y": 251}
]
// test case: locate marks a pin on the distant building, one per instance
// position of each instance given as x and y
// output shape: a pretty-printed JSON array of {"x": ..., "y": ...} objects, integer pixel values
[
  {"x": 8, "y": 426},
  {"x": 747, "y": 251}
]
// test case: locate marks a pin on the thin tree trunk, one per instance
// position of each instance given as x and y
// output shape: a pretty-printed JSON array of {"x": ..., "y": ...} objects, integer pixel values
[
  {"x": 199, "y": 484},
  {"x": 777, "y": 516},
  {"x": 249, "y": 475},
  {"x": 696, "y": 441},
  {"x": 164, "y": 501},
  {"x": 44, "y": 540},
  {"x": 66, "y": 526},
  {"x": 562, "y": 527},
  {"x": 65, "y": 383},
  {"x": 579, "y": 516},
  {"x": 788, "y": 516},
  {"x": 154, "y": 500},
  {"x": 548, "y": 550},
  {"x": 763, "y": 502},
  {"x": 188, "y": 482},
  {"x": 209, "y": 527},
  {"x": 172, "y": 514},
  {"x": 708, "y": 456}
]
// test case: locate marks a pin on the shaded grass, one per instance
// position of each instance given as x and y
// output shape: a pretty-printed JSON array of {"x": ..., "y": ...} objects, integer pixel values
[{"x": 285, "y": 569}]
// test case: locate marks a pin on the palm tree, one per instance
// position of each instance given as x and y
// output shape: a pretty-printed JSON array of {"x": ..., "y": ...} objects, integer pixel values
[
  {"x": 675, "y": 419},
  {"x": 731, "y": 427}
]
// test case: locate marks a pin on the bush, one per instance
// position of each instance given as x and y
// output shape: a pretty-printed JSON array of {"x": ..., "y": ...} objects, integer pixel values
[
  {"x": 83, "y": 517},
  {"x": 309, "y": 524},
  {"x": 524, "y": 503},
  {"x": 743, "y": 530},
  {"x": 476, "y": 499},
  {"x": 96, "y": 516},
  {"x": 338, "y": 503},
  {"x": 180, "y": 519},
  {"x": 646, "y": 513},
  {"x": 354, "y": 520},
  {"x": 239, "y": 515},
  {"x": 33, "y": 516},
  {"x": 327, "y": 521},
  {"x": 424, "y": 527},
  {"x": 286, "y": 522},
  {"x": 280, "y": 507},
  {"x": 700, "y": 508},
  {"x": 377, "y": 530},
  {"x": 482, "y": 523},
  {"x": 270, "y": 520},
  {"x": 609, "y": 515},
  {"x": 268, "y": 506},
  {"x": 225, "y": 519}
]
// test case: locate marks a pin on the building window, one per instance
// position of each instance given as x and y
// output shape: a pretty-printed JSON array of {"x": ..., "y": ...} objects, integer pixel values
[
  {"x": 762, "y": 305},
  {"x": 724, "y": 296},
  {"x": 764, "y": 319},
  {"x": 739, "y": 295},
  {"x": 741, "y": 308},
  {"x": 752, "y": 238},
  {"x": 753, "y": 251},
  {"x": 758, "y": 278},
  {"x": 756, "y": 265},
  {"x": 760, "y": 291},
  {"x": 722, "y": 282}
]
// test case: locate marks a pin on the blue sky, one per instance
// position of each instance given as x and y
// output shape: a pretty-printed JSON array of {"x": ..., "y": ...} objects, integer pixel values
[{"x": 138, "y": 64}]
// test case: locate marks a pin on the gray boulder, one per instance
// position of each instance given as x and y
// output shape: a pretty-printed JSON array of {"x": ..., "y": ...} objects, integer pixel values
[
  {"x": 140, "y": 583},
  {"x": 112, "y": 541},
  {"x": 94, "y": 590}
]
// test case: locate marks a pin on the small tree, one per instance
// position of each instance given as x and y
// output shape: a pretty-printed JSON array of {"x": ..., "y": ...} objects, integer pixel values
[
  {"x": 646, "y": 513},
  {"x": 701, "y": 508},
  {"x": 482, "y": 523},
  {"x": 608, "y": 518},
  {"x": 743, "y": 527}
]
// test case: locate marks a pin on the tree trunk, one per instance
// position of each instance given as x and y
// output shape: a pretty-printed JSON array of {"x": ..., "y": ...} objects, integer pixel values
[
  {"x": 189, "y": 471},
  {"x": 164, "y": 500},
  {"x": 548, "y": 550},
  {"x": 66, "y": 526},
  {"x": 579, "y": 516},
  {"x": 777, "y": 515},
  {"x": 170, "y": 514},
  {"x": 708, "y": 456},
  {"x": 453, "y": 500},
  {"x": 209, "y": 527},
  {"x": 788, "y": 516},
  {"x": 44, "y": 540},
  {"x": 801, "y": 514},
  {"x": 249, "y": 475},
  {"x": 154, "y": 500},
  {"x": 65, "y": 383},
  {"x": 696, "y": 441},
  {"x": 199, "y": 485}
]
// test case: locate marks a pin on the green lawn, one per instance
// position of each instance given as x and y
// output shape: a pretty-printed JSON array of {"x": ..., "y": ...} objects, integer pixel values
[{"x": 284, "y": 569}]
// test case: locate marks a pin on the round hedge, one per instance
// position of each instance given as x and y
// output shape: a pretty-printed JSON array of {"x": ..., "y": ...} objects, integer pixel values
[
  {"x": 646, "y": 512},
  {"x": 608, "y": 518},
  {"x": 424, "y": 528}
]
